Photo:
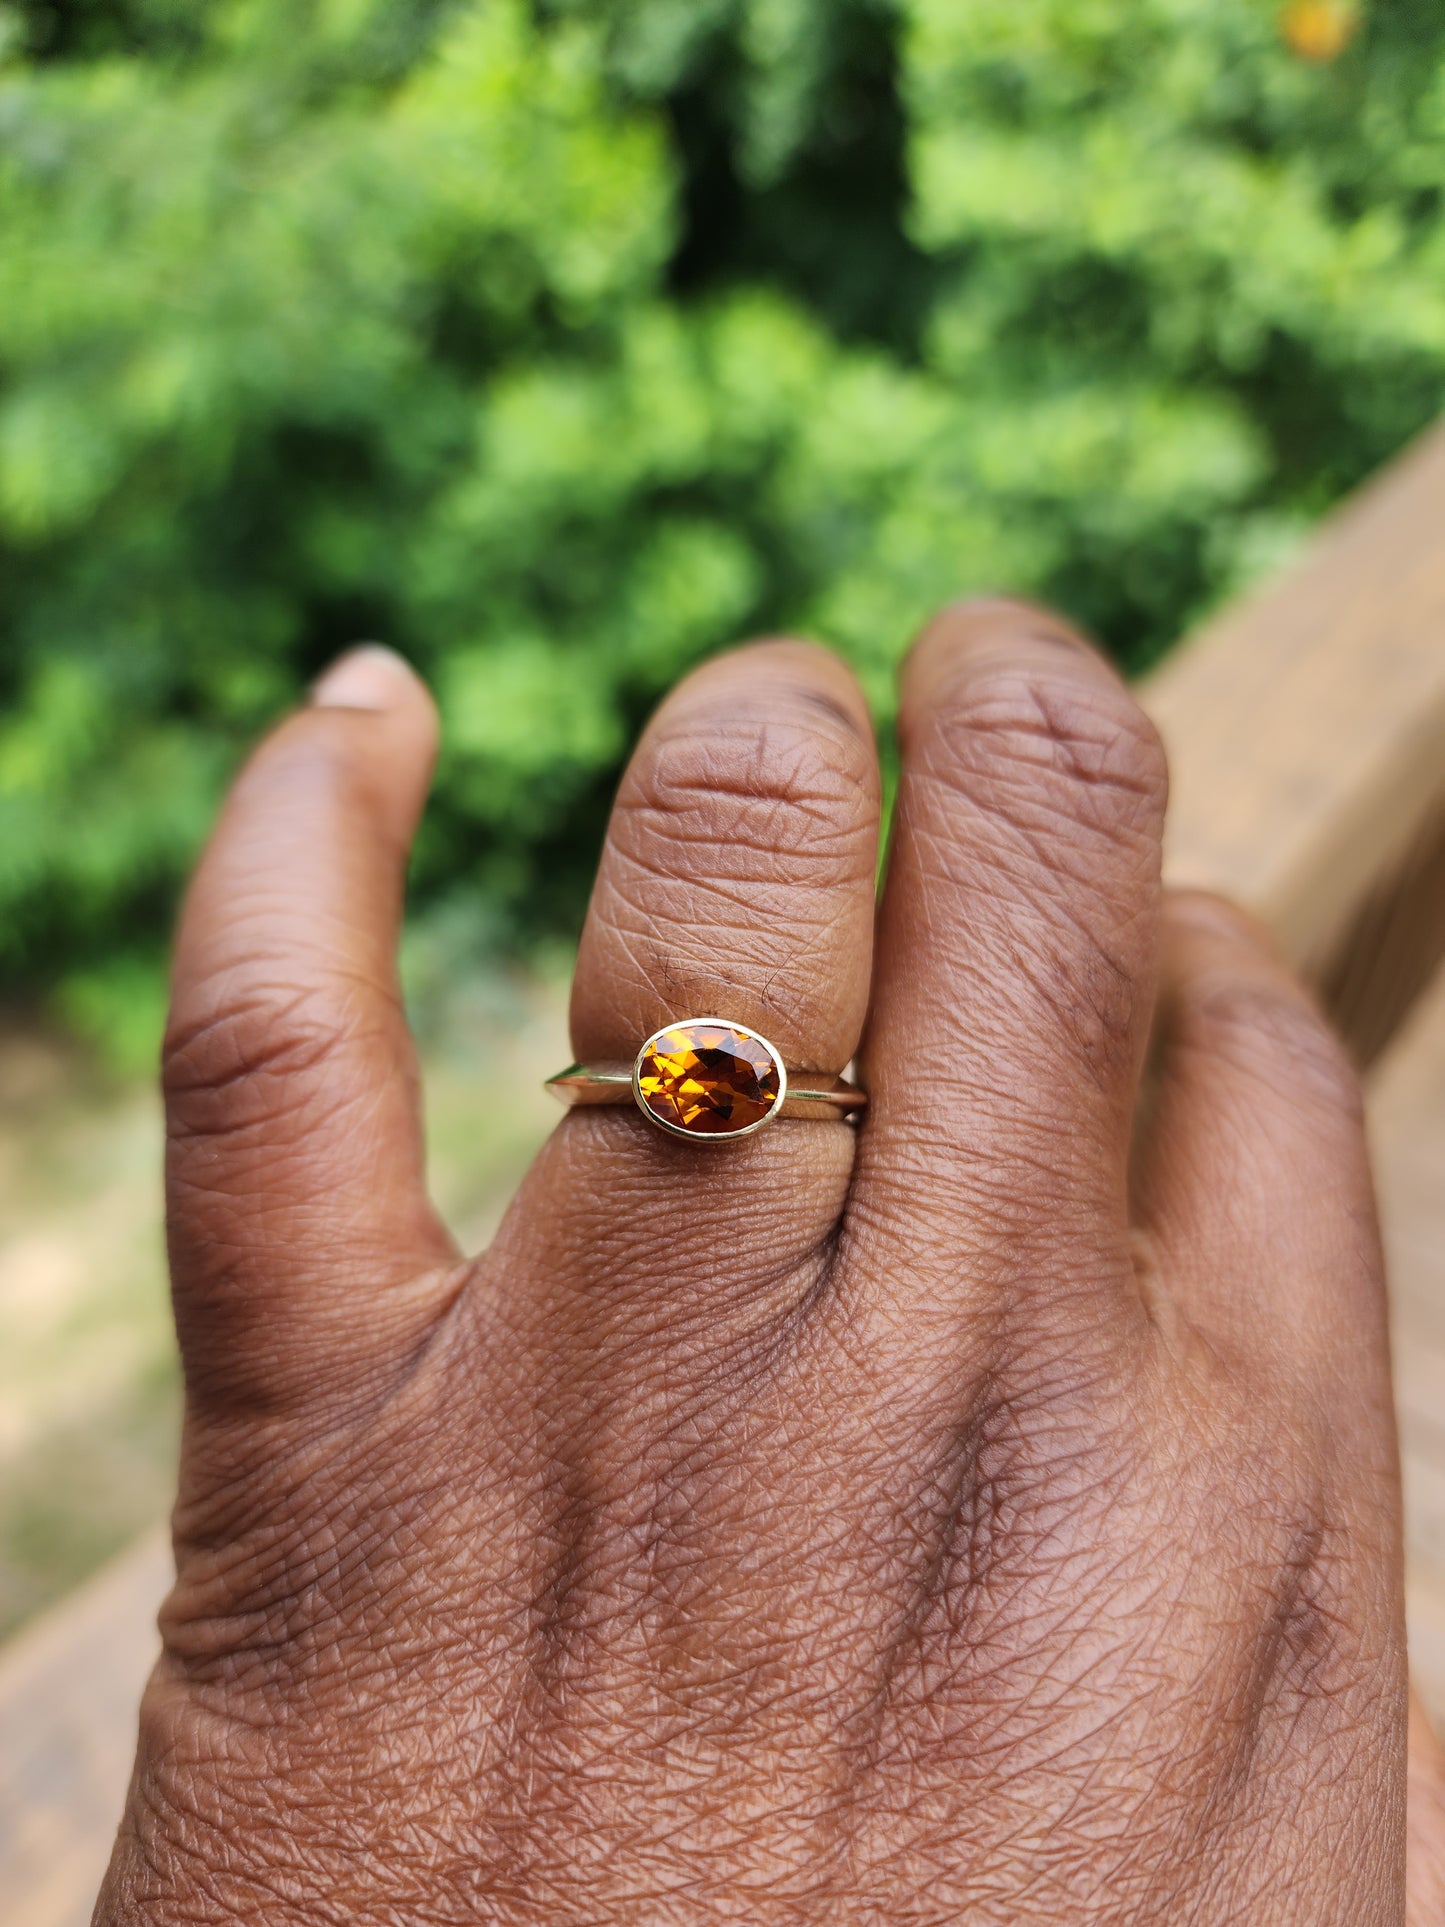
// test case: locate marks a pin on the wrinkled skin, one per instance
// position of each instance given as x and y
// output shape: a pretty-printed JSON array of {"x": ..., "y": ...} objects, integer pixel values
[{"x": 987, "y": 1515}]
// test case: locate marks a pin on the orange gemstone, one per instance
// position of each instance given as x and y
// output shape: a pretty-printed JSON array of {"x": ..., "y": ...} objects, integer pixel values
[{"x": 709, "y": 1080}]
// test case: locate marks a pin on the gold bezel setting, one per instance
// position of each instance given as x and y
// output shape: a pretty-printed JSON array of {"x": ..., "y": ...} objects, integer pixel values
[{"x": 819, "y": 1095}]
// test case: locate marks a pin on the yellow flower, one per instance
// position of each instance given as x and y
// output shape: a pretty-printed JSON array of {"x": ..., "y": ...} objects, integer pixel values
[{"x": 1319, "y": 30}]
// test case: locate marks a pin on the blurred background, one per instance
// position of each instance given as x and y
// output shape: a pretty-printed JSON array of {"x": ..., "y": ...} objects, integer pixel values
[{"x": 557, "y": 344}]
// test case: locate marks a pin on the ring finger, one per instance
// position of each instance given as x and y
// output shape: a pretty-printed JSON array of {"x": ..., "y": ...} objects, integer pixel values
[{"x": 736, "y": 881}]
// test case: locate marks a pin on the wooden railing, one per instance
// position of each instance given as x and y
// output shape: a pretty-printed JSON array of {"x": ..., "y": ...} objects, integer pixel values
[
  {"x": 1306, "y": 730},
  {"x": 1306, "y": 733}
]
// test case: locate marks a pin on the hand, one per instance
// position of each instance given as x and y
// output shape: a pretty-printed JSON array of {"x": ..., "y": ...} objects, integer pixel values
[{"x": 987, "y": 1515}]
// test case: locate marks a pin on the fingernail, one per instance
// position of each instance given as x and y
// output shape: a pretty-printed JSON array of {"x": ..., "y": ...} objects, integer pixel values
[{"x": 371, "y": 677}]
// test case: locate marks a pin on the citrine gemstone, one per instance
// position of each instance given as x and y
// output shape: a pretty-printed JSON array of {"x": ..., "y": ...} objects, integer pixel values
[{"x": 709, "y": 1080}]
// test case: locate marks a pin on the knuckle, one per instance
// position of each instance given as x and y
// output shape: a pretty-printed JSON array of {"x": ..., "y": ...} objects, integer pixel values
[
  {"x": 1035, "y": 744},
  {"x": 240, "y": 1057},
  {"x": 1310, "y": 1635},
  {"x": 1089, "y": 990},
  {"x": 1271, "y": 1030},
  {"x": 745, "y": 828},
  {"x": 1063, "y": 782},
  {"x": 780, "y": 787},
  {"x": 1010, "y": 1517}
]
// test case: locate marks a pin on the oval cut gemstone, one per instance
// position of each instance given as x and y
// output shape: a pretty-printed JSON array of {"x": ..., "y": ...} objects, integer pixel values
[{"x": 709, "y": 1080}]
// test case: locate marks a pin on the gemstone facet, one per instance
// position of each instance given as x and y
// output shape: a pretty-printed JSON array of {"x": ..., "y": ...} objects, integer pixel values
[{"x": 705, "y": 1078}]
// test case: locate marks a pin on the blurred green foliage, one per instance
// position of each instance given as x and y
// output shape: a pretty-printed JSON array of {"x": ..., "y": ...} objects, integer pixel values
[{"x": 558, "y": 344}]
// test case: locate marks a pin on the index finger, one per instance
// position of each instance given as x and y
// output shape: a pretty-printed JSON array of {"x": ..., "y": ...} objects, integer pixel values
[{"x": 296, "y": 1202}]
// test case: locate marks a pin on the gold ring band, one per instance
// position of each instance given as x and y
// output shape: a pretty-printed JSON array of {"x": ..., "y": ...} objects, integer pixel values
[{"x": 710, "y": 1081}]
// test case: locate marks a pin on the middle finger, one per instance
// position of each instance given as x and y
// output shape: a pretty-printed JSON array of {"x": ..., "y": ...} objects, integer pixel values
[{"x": 1013, "y": 989}]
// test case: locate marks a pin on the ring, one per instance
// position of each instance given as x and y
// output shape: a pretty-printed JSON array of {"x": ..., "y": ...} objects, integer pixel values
[{"x": 709, "y": 1080}]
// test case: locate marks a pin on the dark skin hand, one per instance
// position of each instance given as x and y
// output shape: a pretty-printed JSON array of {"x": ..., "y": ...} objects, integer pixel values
[{"x": 987, "y": 1515}]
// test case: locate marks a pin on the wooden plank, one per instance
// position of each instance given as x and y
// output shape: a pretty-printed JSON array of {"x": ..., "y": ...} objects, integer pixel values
[
  {"x": 1306, "y": 731},
  {"x": 1425, "y": 1611},
  {"x": 69, "y": 1687},
  {"x": 1407, "y": 1130}
]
